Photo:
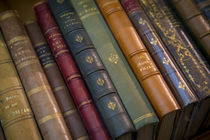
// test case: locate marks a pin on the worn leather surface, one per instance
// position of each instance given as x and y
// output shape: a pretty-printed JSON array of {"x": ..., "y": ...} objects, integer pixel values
[
  {"x": 142, "y": 64},
  {"x": 40, "y": 95},
  {"x": 16, "y": 116},
  {"x": 70, "y": 73},
  {"x": 204, "y": 6},
  {"x": 61, "y": 92},
  {"x": 195, "y": 21},
  {"x": 124, "y": 80}
]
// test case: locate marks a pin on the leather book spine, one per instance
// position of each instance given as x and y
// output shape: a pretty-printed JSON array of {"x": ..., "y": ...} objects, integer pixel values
[
  {"x": 39, "y": 93},
  {"x": 129, "y": 90},
  {"x": 184, "y": 52},
  {"x": 70, "y": 73},
  {"x": 170, "y": 71},
  {"x": 2, "y": 137},
  {"x": 91, "y": 67},
  {"x": 204, "y": 6},
  {"x": 16, "y": 116},
  {"x": 138, "y": 57},
  {"x": 61, "y": 92},
  {"x": 196, "y": 22}
]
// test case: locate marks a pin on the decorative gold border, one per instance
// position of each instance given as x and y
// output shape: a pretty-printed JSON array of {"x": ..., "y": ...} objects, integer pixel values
[
  {"x": 73, "y": 76},
  {"x": 69, "y": 112},
  {"x": 60, "y": 52},
  {"x": 83, "y": 138},
  {"x": 7, "y": 15},
  {"x": 58, "y": 88},
  {"x": 84, "y": 103},
  {"x": 26, "y": 63},
  {"x": 15, "y": 39},
  {"x": 142, "y": 117},
  {"x": 37, "y": 90}
]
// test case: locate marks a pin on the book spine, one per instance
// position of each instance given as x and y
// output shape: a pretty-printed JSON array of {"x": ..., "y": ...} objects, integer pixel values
[
  {"x": 204, "y": 6},
  {"x": 177, "y": 83},
  {"x": 125, "y": 82},
  {"x": 195, "y": 21},
  {"x": 2, "y": 137},
  {"x": 61, "y": 92},
  {"x": 16, "y": 116},
  {"x": 89, "y": 63},
  {"x": 70, "y": 73},
  {"x": 183, "y": 50},
  {"x": 39, "y": 93},
  {"x": 138, "y": 57}
]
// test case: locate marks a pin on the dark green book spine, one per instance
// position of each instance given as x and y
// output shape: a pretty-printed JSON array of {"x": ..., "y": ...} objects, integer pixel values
[
  {"x": 97, "y": 79},
  {"x": 129, "y": 90},
  {"x": 185, "y": 53}
]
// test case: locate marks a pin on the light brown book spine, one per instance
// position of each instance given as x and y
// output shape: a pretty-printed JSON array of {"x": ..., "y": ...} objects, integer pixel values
[
  {"x": 39, "y": 93},
  {"x": 140, "y": 61},
  {"x": 61, "y": 92},
  {"x": 16, "y": 116}
]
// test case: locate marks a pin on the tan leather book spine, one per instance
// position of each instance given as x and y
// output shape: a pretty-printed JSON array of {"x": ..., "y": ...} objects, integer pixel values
[
  {"x": 196, "y": 22},
  {"x": 141, "y": 62},
  {"x": 61, "y": 92},
  {"x": 39, "y": 93},
  {"x": 16, "y": 116}
]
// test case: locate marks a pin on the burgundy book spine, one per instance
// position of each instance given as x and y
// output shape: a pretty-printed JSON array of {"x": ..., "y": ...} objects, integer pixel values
[{"x": 70, "y": 73}]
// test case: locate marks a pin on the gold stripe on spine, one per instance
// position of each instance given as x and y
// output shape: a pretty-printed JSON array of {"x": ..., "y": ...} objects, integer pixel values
[
  {"x": 15, "y": 39},
  {"x": 84, "y": 103},
  {"x": 73, "y": 76},
  {"x": 69, "y": 112},
  {"x": 39, "y": 44},
  {"x": 108, "y": 3},
  {"x": 89, "y": 14},
  {"x": 58, "y": 88},
  {"x": 7, "y": 15},
  {"x": 37, "y": 90},
  {"x": 83, "y": 138},
  {"x": 48, "y": 30},
  {"x": 26, "y": 63},
  {"x": 143, "y": 117},
  {"x": 48, "y": 65},
  {"x": 49, "y": 117},
  {"x": 60, "y": 52}
]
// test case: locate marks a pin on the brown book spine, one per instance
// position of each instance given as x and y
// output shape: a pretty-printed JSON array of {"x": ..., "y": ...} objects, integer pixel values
[
  {"x": 61, "y": 92},
  {"x": 39, "y": 93},
  {"x": 16, "y": 116},
  {"x": 196, "y": 22},
  {"x": 141, "y": 62}
]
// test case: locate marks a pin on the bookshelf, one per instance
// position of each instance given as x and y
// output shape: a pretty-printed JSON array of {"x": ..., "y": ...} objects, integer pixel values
[{"x": 25, "y": 10}]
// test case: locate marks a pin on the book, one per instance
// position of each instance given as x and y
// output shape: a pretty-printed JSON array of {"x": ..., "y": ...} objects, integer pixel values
[
  {"x": 168, "y": 68},
  {"x": 142, "y": 64},
  {"x": 92, "y": 69},
  {"x": 16, "y": 116},
  {"x": 61, "y": 92},
  {"x": 186, "y": 55},
  {"x": 38, "y": 90},
  {"x": 70, "y": 73},
  {"x": 2, "y": 137},
  {"x": 204, "y": 6},
  {"x": 197, "y": 24},
  {"x": 129, "y": 90}
]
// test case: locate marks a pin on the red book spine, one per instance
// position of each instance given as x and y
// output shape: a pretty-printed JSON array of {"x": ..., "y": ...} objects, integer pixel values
[{"x": 70, "y": 73}]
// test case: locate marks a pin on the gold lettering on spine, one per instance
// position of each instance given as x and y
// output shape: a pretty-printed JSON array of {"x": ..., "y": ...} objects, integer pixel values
[
  {"x": 142, "y": 117},
  {"x": 89, "y": 14},
  {"x": 69, "y": 112},
  {"x": 48, "y": 30},
  {"x": 16, "y": 39},
  {"x": 49, "y": 117},
  {"x": 37, "y": 90}
]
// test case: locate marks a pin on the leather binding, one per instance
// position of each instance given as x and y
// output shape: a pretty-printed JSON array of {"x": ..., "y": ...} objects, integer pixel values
[
  {"x": 70, "y": 73},
  {"x": 196, "y": 22},
  {"x": 91, "y": 67},
  {"x": 204, "y": 6},
  {"x": 170, "y": 71},
  {"x": 39, "y": 93},
  {"x": 16, "y": 116},
  {"x": 142, "y": 64},
  {"x": 61, "y": 92},
  {"x": 129, "y": 90},
  {"x": 186, "y": 55}
]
